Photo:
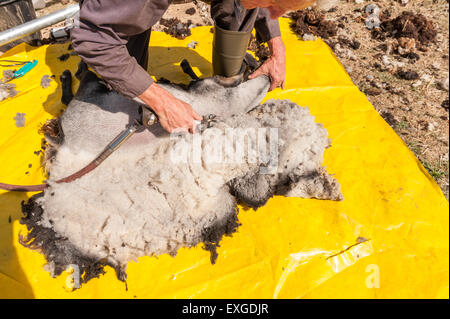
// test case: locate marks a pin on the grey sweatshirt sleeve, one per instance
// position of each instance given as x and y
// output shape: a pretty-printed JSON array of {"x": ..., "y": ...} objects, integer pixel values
[
  {"x": 266, "y": 27},
  {"x": 102, "y": 36}
]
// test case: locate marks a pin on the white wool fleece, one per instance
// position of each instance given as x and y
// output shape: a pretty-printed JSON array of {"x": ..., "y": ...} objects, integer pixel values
[{"x": 139, "y": 202}]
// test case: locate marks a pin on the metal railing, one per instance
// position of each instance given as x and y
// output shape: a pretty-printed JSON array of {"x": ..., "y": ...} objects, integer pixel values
[{"x": 35, "y": 25}]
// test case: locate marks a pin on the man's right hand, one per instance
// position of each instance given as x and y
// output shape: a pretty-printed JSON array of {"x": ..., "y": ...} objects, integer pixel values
[{"x": 173, "y": 114}]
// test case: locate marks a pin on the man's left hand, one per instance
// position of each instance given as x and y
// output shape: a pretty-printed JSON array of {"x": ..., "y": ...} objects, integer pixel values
[{"x": 275, "y": 65}]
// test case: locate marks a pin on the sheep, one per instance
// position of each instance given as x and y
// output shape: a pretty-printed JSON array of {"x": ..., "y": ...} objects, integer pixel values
[{"x": 160, "y": 192}]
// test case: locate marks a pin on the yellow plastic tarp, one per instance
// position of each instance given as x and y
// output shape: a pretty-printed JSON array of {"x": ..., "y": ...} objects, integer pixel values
[{"x": 389, "y": 238}]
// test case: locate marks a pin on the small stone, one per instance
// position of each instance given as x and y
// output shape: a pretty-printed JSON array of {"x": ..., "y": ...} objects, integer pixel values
[
  {"x": 432, "y": 126},
  {"x": 373, "y": 9},
  {"x": 370, "y": 77},
  {"x": 309, "y": 37},
  {"x": 352, "y": 56},
  {"x": 359, "y": 1},
  {"x": 426, "y": 78},
  {"x": 444, "y": 84},
  {"x": 436, "y": 66},
  {"x": 416, "y": 84},
  {"x": 378, "y": 85},
  {"x": 38, "y": 4},
  {"x": 386, "y": 61},
  {"x": 373, "y": 22},
  {"x": 325, "y": 5}
]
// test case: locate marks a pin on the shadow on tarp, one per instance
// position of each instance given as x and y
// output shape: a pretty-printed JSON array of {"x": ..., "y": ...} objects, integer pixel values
[
  {"x": 165, "y": 62},
  {"x": 11, "y": 273}
]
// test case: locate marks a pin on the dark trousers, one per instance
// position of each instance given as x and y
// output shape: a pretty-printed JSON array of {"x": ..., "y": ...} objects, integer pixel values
[
  {"x": 225, "y": 13},
  {"x": 138, "y": 47}
]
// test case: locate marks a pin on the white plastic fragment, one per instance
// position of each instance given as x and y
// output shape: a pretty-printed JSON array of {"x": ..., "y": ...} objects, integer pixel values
[{"x": 192, "y": 45}]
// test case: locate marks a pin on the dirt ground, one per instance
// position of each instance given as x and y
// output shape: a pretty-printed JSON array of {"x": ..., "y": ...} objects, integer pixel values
[
  {"x": 406, "y": 86},
  {"x": 416, "y": 109}
]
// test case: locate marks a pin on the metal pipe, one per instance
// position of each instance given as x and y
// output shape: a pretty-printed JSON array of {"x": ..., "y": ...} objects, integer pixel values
[{"x": 35, "y": 25}]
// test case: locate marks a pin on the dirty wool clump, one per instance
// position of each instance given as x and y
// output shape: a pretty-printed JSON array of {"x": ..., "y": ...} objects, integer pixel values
[
  {"x": 407, "y": 25},
  {"x": 262, "y": 51},
  {"x": 306, "y": 22},
  {"x": 7, "y": 89},
  {"x": 176, "y": 28},
  {"x": 407, "y": 75},
  {"x": 158, "y": 193}
]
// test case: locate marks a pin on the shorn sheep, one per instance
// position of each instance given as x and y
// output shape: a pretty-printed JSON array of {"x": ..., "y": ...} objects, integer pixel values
[{"x": 161, "y": 191}]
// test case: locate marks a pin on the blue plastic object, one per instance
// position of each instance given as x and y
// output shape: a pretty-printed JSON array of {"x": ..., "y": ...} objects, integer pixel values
[{"x": 25, "y": 69}]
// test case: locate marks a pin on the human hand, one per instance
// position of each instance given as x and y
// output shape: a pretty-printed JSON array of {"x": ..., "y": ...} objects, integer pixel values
[
  {"x": 173, "y": 114},
  {"x": 275, "y": 66}
]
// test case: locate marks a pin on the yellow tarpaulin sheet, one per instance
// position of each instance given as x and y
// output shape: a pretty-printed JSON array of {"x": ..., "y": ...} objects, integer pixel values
[{"x": 291, "y": 248}]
